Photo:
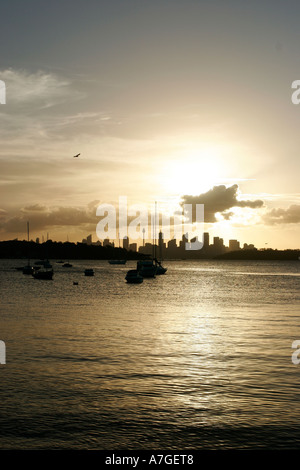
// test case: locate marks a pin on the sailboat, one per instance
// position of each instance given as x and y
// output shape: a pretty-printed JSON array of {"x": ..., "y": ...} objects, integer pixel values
[
  {"x": 160, "y": 269},
  {"x": 28, "y": 269},
  {"x": 44, "y": 273},
  {"x": 148, "y": 268}
]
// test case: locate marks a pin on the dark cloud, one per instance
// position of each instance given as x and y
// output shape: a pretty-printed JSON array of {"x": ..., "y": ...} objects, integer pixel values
[
  {"x": 283, "y": 216},
  {"x": 42, "y": 218},
  {"x": 220, "y": 199}
]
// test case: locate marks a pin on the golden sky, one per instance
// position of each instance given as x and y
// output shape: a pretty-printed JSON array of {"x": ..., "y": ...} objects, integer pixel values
[{"x": 164, "y": 100}]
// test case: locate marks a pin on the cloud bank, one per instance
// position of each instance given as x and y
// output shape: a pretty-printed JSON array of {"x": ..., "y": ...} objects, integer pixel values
[
  {"x": 220, "y": 199},
  {"x": 291, "y": 215},
  {"x": 42, "y": 218}
]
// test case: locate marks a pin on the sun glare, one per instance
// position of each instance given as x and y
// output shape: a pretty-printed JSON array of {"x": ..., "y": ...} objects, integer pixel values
[{"x": 195, "y": 172}]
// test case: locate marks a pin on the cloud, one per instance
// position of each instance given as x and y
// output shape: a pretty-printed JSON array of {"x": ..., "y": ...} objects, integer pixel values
[
  {"x": 43, "y": 218},
  {"x": 36, "y": 88},
  {"x": 220, "y": 199},
  {"x": 3, "y": 214},
  {"x": 291, "y": 215}
]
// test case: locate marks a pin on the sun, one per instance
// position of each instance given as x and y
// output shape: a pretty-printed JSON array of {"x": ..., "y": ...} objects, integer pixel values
[{"x": 193, "y": 172}]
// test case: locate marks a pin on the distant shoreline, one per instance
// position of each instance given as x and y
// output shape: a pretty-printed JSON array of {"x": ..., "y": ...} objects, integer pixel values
[{"x": 17, "y": 249}]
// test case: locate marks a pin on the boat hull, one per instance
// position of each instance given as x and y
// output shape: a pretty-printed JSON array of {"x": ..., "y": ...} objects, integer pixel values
[
  {"x": 28, "y": 270},
  {"x": 146, "y": 268},
  {"x": 133, "y": 277},
  {"x": 117, "y": 261},
  {"x": 89, "y": 272},
  {"x": 46, "y": 275}
]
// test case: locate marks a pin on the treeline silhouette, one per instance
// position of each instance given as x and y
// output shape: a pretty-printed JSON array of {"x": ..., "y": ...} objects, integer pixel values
[
  {"x": 265, "y": 254},
  {"x": 17, "y": 249}
]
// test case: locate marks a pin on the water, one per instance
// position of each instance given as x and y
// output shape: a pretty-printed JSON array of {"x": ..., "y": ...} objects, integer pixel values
[{"x": 200, "y": 358}]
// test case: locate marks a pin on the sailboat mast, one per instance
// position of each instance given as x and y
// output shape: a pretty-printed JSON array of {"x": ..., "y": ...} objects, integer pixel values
[
  {"x": 28, "y": 242},
  {"x": 155, "y": 230}
]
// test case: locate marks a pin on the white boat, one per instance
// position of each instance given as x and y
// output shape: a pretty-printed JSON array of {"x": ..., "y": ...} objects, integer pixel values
[{"x": 133, "y": 277}]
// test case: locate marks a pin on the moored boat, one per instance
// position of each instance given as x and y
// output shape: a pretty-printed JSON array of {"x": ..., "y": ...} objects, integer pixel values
[
  {"x": 89, "y": 272},
  {"x": 146, "y": 268},
  {"x": 43, "y": 274},
  {"x": 134, "y": 277},
  {"x": 160, "y": 269},
  {"x": 117, "y": 261},
  {"x": 28, "y": 269}
]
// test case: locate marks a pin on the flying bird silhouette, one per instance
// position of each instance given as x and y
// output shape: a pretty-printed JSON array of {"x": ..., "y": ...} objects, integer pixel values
[{"x": 76, "y": 155}]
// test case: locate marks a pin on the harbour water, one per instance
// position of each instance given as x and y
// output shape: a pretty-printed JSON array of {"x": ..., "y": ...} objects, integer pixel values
[{"x": 199, "y": 358}]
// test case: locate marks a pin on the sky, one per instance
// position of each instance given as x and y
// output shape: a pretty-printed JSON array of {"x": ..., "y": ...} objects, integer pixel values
[{"x": 173, "y": 101}]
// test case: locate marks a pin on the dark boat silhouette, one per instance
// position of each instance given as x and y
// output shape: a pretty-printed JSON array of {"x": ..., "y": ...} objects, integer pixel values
[
  {"x": 117, "y": 261},
  {"x": 45, "y": 272},
  {"x": 89, "y": 272},
  {"x": 67, "y": 265},
  {"x": 146, "y": 268},
  {"x": 160, "y": 269},
  {"x": 134, "y": 277},
  {"x": 28, "y": 269}
]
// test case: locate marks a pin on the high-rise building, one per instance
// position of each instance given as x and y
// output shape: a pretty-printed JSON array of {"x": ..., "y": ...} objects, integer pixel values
[
  {"x": 125, "y": 243},
  {"x": 234, "y": 245},
  {"x": 205, "y": 239},
  {"x": 133, "y": 247}
]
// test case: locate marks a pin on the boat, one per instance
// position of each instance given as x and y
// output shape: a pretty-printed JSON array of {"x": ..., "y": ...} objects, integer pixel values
[
  {"x": 117, "y": 261},
  {"x": 160, "y": 269},
  {"x": 28, "y": 269},
  {"x": 134, "y": 277},
  {"x": 67, "y": 265},
  {"x": 43, "y": 273},
  {"x": 89, "y": 272},
  {"x": 43, "y": 270},
  {"x": 146, "y": 268}
]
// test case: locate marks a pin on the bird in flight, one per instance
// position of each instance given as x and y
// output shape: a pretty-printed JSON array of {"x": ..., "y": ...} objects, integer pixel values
[{"x": 76, "y": 155}]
